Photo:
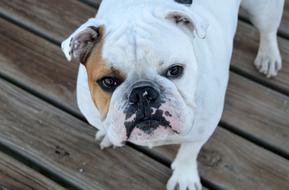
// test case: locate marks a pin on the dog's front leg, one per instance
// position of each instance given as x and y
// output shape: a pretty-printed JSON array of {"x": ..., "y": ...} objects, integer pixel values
[{"x": 185, "y": 170}]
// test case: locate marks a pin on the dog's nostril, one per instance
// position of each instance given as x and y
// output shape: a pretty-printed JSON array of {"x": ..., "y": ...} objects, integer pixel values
[
  {"x": 133, "y": 98},
  {"x": 141, "y": 94},
  {"x": 152, "y": 94}
]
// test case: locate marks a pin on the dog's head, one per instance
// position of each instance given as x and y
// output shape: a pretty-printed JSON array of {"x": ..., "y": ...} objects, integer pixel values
[{"x": 142, "y": 72}]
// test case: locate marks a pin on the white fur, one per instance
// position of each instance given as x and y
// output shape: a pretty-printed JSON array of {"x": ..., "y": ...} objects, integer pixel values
[{"x": 139, "y": 36}]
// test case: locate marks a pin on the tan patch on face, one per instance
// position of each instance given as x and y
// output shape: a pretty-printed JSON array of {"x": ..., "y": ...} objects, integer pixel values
[{"x": 97, "y": 69}]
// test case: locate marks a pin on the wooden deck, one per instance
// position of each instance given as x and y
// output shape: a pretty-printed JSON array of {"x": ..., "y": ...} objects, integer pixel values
[{"x": 45, "y": 143}]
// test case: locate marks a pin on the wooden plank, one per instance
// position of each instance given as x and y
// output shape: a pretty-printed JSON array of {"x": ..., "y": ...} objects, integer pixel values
[
  {"x": 234, "y": 163},
  {"x": 56, "y": 19},
  {"x": 65, "y": 146},
  {"x": 14, "y": 175},
  {"x": 37, "y": 63},
  {"x": 258, "y": 112}
]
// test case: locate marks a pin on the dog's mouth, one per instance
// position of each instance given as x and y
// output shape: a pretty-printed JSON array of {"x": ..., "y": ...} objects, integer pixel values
[{"x": 147, "y": 125}]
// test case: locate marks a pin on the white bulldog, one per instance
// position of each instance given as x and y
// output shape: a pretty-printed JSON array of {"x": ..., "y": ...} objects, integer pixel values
[{"x": 155, "y": 72}]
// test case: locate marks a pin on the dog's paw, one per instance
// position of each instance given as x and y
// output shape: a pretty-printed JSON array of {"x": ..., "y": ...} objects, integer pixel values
[
  {"x": 268, "y": 60},
  {"x": 185, "y": 179},
  {"x": 103, "y": 139},
  {"x": 269, "y": 65}
]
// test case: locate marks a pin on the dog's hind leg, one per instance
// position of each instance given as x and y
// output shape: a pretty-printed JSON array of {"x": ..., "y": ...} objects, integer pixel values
[{"x": 266, "y": 16}]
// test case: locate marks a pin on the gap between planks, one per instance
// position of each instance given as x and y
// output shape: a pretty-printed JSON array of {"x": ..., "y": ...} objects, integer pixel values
[
  {"x": 28, "y": 162},
  {"x": 92, "y": 3},
  {"x": 16, "y": 175}
]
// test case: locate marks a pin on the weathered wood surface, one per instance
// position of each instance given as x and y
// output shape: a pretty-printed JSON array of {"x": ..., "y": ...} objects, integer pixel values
[
  {"x": 234, "y": 163},
  {"x": 65, "y": 145},
  {"x": 37, "y": 64},
  {"x": 16, "y": 176},
  {"x": 53, "y": 18},
  {"x": 259, "y": 112},
  {"x": 60, "y": 87}
]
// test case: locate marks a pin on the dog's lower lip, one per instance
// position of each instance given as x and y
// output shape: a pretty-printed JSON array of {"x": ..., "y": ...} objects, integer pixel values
[
  {"x": 147, "y": 125},
  {"x": 146, "y": 121}
]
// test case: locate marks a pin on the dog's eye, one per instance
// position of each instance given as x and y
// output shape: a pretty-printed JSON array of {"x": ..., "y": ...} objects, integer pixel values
[
  {"x": 174, "y": 72},
  {"x": 109, "y": 83}
]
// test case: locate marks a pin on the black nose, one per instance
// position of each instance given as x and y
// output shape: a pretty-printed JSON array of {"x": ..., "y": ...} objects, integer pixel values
[{"x": 144, "y": 95}]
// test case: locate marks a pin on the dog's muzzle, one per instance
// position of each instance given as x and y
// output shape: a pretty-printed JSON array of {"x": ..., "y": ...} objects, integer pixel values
[
  {"x": 144, "y": 101},
  {"x": 149, "y": 114}
]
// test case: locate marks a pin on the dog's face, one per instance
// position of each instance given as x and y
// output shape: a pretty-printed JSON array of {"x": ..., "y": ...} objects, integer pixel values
[{"x": 142, "y": 76}]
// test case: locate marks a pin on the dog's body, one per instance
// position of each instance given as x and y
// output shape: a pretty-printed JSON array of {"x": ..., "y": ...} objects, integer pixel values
[{"x": 155, "y": 72}]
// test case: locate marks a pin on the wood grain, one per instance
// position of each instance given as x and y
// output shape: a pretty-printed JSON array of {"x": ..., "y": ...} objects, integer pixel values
[
  {"x": 47, "y": 84},
  {"x": 16, "y": 176},
  {"x": 231, "y": 162},
  {"x": 56, "y": 19},
  {"x": 65, "y": 146},
  {"x": 257, "y": 111},
  {"x": 37, "y": 64}
]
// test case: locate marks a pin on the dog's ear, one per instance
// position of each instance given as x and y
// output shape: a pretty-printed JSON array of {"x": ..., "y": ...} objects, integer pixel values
[
  {"x": 188, "y": 19},
  {"x": 80, "y": 44}
]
